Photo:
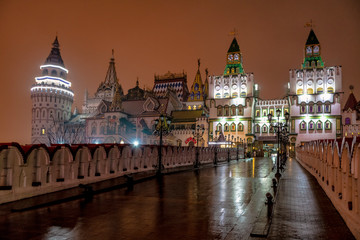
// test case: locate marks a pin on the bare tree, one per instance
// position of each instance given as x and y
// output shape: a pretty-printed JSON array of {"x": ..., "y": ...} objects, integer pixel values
[{"x": 66, "y": 132}]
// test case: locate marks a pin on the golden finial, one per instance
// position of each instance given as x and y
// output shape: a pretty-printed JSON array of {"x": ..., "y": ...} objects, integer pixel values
[
  {"x": 309, "y": 24},
  {"x": 233, "y": 33}
]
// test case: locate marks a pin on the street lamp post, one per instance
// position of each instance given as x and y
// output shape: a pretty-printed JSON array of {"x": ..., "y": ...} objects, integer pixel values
[
  {"x": 162, "y": 127},
  {"x": 198, "y": 133},
  {"x": 279, "y": 129}
]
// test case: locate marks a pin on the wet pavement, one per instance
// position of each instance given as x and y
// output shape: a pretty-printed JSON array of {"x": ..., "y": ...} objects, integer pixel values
[
  {"x": 212, "y": 203},
  {"x": 303, "y": 211}
]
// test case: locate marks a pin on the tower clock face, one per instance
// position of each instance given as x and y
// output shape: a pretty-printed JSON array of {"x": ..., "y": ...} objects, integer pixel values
[
  {"x": 236, "y": 57},
  {"x": 316, "y": 49},
  {"x": 308, "y": 50},
  {"x": 230, "y": 57}
]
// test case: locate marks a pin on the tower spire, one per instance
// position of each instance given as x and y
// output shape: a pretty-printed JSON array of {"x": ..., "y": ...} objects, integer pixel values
[
  {"x": 55, "y": 56},
  {"x": 111, "y": 76}
]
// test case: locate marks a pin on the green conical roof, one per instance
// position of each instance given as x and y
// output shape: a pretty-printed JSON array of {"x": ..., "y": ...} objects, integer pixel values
[
  {"x": 312, "y": 39},
  {"x": 234, "y": 47}
]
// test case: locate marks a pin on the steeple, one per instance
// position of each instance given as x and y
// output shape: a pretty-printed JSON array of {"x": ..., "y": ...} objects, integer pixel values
[
  {"x": 116, "y": 104},
  {"x": 196, "y": 91},
  {"x": 54, "y": 57},
  {"x": 234, "y": 59},
  {"x": 351, "y": 101},
  {"x": 312, "y": 52},
  {"x": 111, "y": 72}
]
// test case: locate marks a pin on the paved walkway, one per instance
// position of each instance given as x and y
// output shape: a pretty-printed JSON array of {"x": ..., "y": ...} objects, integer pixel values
[{"x": 303, "y": 211}]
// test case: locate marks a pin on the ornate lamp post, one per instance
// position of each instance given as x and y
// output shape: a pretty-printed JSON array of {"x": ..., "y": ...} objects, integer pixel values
[
  {"x": 279, "y": 127},
  {"x": 162, "y": 127},
  {"x": 198, "y": 132}
]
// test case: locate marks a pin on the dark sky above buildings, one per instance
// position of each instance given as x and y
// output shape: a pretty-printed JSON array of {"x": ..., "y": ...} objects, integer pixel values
[{"x": 153, "y": 37}]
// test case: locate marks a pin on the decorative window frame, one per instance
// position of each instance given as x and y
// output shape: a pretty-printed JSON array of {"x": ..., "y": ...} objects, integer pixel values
[
  {"x": 311, "y": 125},
  {"x": 303, "y": 125},
  {"x": 265, "y": 129},
  {"x": 240, "y": 110},
  {"x": 319, "y": 105},
  {"x": 303, "y": 109},
  {"x": 311, "y": 108},
  {"x": 257, "y": 128},
  {"x": 226, "y": 111},
  {"x": 328, "y": 125},
  {"x": 226, "y": 127},
  {"x": 319, "y": 125},
  {"x": 257, "y": 113},
  {"x": 219, "y": 127},
  {"x": 233, "y": 110},
  {"x": 219, "y": 111},
  {"x": 264, "y": 112},
  {"x": 240, "y": 127},
  {"x": 327, "y": 108},
  {"x": 233, "y": 127}
]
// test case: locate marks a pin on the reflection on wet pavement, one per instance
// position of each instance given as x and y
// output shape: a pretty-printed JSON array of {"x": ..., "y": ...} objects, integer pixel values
[{"x": 212, "y": 203}]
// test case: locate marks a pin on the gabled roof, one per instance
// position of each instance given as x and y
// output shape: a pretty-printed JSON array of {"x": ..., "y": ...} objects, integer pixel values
[
  {"x": 312, "y": 39},
  {"x": 55, "y": 56},
  {"x": 234, "y": 47},
  {"x": 350, "y": 103}
]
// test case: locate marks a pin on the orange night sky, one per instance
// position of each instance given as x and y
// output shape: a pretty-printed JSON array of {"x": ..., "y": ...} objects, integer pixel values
[{"x": 153, "y": 37}]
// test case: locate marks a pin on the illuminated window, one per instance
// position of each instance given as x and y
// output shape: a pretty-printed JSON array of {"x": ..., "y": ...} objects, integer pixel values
[
  {"x": 198, "y": 95},
  {"x": 311, "y": 108},
  {"x": 43, "y": 131},
  {"x": 302, "y": 109},
  {"x": 219, "y": 111},
  {"x": 243, "y": 94},
  {"x": 226, "y": 111},
  {"x": 233, "y": 127},
  {"x": 272, "y": 112},
  {"x": 189, "y": 107},
  {"x": 257, "y": 128},
  {"x": 194, "y": 107},
  {"x": 328, "y": 125},
  {"x": 226, "y": 95},
  {"x": 330, "y": 90},
  {"x": 264, "y": 113},
  {"x": 319, "y": 108},
  {"x": 240, "y": 111},
  {"x": 319, "y": 90},
  {"x": 196, "y": 87},
  {"x": 226, "y": 127},
  {"x": 218, "y": 95},
  {"x": 240, "y": 127},
  {"x": 299, "y": 91},
  {"x": 233, "y": 110},
  {"x": 303, "y": 125},
  {"x": 257, "y": 113},
  {"x": 235, "y": 95},
  {"x": 327, "y": 108},
  {"x": 264, "y": 129},
  {"x": 219, "y": 127},
  {"x": 310, "y": 91},
  {"x": 319, "y": 125},
  {"x": 311, "y": 125}
]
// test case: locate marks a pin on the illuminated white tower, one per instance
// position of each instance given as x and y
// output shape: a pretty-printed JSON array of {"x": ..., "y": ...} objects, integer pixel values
[{"x": 51, "y": 97}]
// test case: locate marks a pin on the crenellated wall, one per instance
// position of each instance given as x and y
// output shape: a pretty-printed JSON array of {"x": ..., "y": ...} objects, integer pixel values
[
  {"x": 33, "y": 170},
  {"x": 335, "y": 164}
]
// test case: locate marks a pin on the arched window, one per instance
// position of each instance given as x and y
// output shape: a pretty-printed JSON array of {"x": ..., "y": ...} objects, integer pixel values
[
  {"x": 218, "y": 95},
  {"x": 226, "y": 127},
  {"x": 311, "y": 125},
  {"x": 319, "y": 108},
  {"x": 233, "y": 110},
  {"x": 243, "y": 94},
  {"x": 299, "y": 91},
  {"x": 198, "y": 95},
  {"x": 235, "y": 94},
  {"x": 240, "y": 110},
  {"x": 196, "y": 87},
  {"x": 264, "y": 129},
  {"x": 219, "y": 111},
  {"x": 45, "y": 72},
  {"x": 219, "y": 127},
  {"x": 93, "y": 129},
  {"x": 330, "y": 90},
  {"x": 240, "y": 127},
  {"x": 327, "y": 125},
  {"x": 257, "y": 128},
  {"x": 53, "y": 73},
  {"x": 327, "y": 108},
  {"x": 319, "y": 125},
  {"x": 192, "y": 96},
  {"x": 226, "y": 95},
  {"x": 303, "y": 126},
  {"x": 226, "y": 111},
  {"x": 311, "y": 108},
  {"x": 302, "y": 109},
  {"x": 310, "y": 91},
  {"x": 319, "y": 90}
]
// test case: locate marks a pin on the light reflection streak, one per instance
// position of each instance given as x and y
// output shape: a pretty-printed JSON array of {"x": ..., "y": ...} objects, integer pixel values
[{"x": 253, "y": 168}]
